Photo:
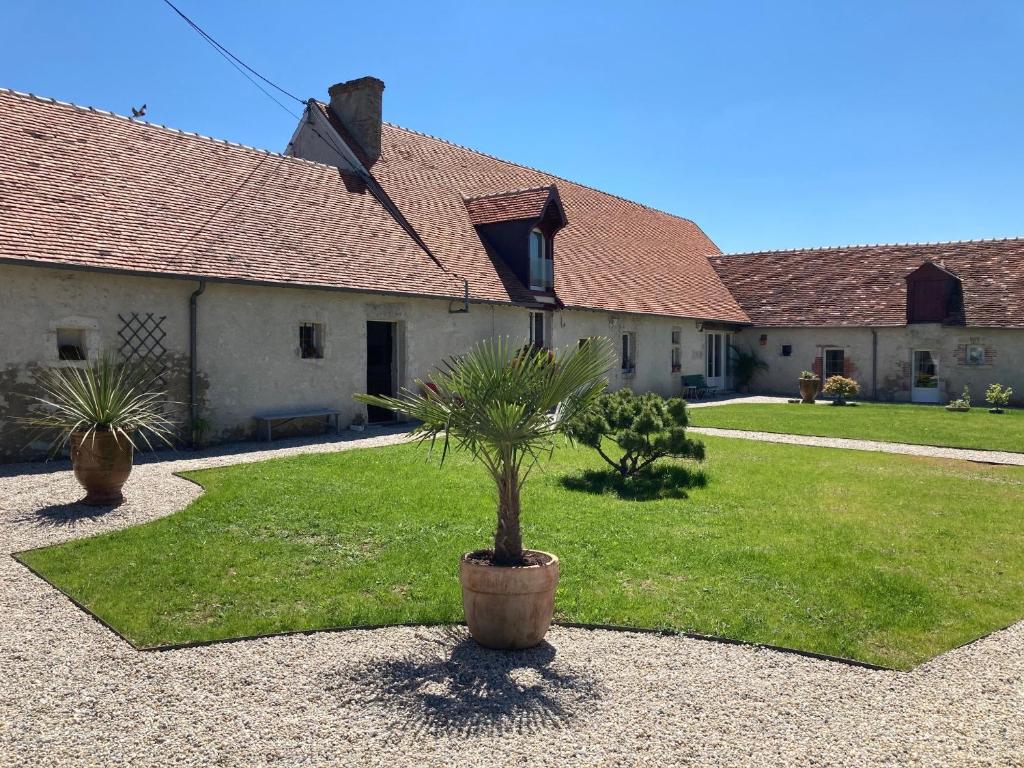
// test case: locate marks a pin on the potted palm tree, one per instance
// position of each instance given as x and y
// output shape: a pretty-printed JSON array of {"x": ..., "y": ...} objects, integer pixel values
[
  {"x": 505, "y": 405},
  {"x": 100, "y": 410},
  {"x": 746, "y": 364}
]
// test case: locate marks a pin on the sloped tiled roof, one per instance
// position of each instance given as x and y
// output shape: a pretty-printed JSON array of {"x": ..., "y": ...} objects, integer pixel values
[
  {"x": 84, "y": 188},
  {"x": 508, "y": 206},
  {"x": 614, "y": 255},
  {"x": 865, "y": 285}
]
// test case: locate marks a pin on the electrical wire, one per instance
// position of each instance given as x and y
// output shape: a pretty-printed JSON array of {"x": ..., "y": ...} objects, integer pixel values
[{"x": 243, "y": 68}]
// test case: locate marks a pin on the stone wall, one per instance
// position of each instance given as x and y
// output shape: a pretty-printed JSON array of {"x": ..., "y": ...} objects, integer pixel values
[
  {"x": 249, "y": 360},
  {"x": 972, "y": 357}
]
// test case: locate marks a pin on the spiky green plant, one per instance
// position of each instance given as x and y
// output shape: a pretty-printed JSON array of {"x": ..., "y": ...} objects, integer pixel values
[
  {"x": 106, "y": 396},
  {"x": 505, "y": 405}
]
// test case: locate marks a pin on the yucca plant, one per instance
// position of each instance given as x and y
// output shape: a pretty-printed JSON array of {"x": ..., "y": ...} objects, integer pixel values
[
  {"x": 505, "y": 405},
  {"x": 107, "y": 396}
]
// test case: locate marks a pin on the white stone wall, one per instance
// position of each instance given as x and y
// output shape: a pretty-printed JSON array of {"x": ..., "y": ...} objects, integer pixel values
[
  {"x": 248, "y": 355},
  {"x": 1003, "y": 359},
  {"x": 653, "y": 371}
]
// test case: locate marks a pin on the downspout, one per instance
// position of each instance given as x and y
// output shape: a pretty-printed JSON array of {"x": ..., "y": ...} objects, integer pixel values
[
  {"x": 193, "y": 337},
  {"x": 874, "y": 363}
]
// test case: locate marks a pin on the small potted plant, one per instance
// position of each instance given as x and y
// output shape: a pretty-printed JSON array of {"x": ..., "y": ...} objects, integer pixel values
[
  {"x": 358, "y": 423},
  {"x": 840, "y": 387},
  {"x": 998, "y": 397},
  {"x": 962, "y": 403},
  {"x": 505, "y": 405},
  {"x": 809, "y": 385},
  {"x": 100, "y": 410}
]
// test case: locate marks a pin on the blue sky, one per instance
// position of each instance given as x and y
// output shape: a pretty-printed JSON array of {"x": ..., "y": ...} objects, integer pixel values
[{"x": 771, "y": 124}]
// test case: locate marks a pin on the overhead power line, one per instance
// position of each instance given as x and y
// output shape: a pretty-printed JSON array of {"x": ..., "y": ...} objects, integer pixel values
[{"x": 238, "y": 64}]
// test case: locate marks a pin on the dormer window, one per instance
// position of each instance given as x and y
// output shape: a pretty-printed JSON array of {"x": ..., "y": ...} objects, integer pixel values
[
  {"x": 518, "y": 227},
  {"x": 541, "y": 272}
]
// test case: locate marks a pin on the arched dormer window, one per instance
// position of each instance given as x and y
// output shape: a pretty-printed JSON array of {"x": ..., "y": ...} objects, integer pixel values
[{"x": 540, "y": 262}]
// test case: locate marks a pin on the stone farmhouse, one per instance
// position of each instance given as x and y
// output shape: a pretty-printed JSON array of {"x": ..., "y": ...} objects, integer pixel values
[{"x": 365, "y": 253}]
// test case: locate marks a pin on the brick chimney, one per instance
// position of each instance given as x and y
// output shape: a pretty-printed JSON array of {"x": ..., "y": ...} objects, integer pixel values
[{"x": 357, "y": 104}]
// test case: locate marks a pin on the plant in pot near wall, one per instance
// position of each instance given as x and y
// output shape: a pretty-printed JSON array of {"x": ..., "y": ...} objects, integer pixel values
[
  {"x": 505, "y": 405},
  {"x": 100, "y": 410},
  {"x": 809, "y": 385},
  {"x": 998, "y": 397},
  {"x": 746, "y": 364},
  {"x": 840, "y": 388}
]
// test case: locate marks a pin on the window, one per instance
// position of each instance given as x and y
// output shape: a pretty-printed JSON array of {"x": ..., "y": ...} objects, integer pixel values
[
  {"x": 787, "y": 350},
  {"x": 311, "y": 340},
  {"x": 834, "y": 363},
  {"x": 541, "y": 271},
  {"x": 537, "y": 337},
  {"x": 628, "y": 353},
  {"x": 677, "y": 352},
  {"x": 975, "y": 354},
  {"x": 716, "y": 346},
  {"x": 71, "y": 344}
]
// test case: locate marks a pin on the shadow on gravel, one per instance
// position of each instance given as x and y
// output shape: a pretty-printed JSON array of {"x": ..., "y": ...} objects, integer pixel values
[
  {"x": 666, "y": 481},
  {"x": 62, "y": 515},
  {"x": 451, "y": 685}
]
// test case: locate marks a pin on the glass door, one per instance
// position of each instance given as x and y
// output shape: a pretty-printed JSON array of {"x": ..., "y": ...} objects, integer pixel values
[
  {"x": 715, "y": 359},
  {"x": 924, "y": 386}
]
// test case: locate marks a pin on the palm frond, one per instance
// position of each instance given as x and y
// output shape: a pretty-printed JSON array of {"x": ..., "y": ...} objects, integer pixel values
[{"x": 105, "y": 396}]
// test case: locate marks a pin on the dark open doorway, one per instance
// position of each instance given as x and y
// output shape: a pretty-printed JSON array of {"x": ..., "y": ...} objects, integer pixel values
[{"x": 380, "y": 367}]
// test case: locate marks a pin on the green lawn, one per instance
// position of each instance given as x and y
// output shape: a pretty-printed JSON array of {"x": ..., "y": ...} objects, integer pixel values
[
  {"x": 886, "y": 559},
  {"x": 920, "y": 424}
]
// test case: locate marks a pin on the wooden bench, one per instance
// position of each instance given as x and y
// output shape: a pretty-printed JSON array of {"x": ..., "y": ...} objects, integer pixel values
[
  {"x": 283, "y": 417},
  {"x": 696, "y": 386}
]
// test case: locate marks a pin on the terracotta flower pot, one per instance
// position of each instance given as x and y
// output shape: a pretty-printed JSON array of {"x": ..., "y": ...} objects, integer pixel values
[
  {"x": 508, "y": 607},
  {"x": 809, "y": 389},
  {"x": 101, "y": 464}
]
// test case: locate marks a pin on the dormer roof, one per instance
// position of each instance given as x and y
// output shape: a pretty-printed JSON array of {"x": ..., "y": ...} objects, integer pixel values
[{"x": 536, "y": 204}]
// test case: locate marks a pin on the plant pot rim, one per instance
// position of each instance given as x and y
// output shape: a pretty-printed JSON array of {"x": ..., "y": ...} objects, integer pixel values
[{"x": 469, "y": 559}]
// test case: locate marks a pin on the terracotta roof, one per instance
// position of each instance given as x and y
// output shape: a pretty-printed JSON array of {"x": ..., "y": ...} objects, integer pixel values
[
  {"x": 864, "y": 285},
  {"x": 614, "y": 255},
  {"x": 84, "y": 188},
  {"x": 508, "y": 206}
]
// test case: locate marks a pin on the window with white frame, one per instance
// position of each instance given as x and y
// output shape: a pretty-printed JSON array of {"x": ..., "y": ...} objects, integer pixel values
[
  {"x": 677, "y": 350},
  {"x": 538, "y": 338},
  {"x": 311, "y": 340},
  {"x": 628, "y": 353},
  {"x": 541, "y": 265}
]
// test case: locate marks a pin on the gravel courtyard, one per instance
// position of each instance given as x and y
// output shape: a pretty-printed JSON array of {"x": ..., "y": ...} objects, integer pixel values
[{"x": 72, "y": 693}]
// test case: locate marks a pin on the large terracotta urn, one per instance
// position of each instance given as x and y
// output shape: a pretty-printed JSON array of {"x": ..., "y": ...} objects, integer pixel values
[
  {"x": 102, "y": 464},
  {"x": 809, "y": 389},
  {"x": 508, "y": 607}
]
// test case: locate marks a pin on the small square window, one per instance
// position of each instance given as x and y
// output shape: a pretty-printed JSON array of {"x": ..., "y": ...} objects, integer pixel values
[
  {"x": 975, "y": 354},
  {"x": 787, "y": 350},
  {"x": 311, "y": 340},
  {"x": 71, "y": 344}
]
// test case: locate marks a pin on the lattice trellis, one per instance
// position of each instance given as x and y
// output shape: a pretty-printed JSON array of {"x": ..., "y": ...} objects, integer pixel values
[{"x": 142, "y": 344}]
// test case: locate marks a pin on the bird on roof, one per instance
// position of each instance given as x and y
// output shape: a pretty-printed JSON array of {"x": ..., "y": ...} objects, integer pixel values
[{"x": 140, "y": 112}]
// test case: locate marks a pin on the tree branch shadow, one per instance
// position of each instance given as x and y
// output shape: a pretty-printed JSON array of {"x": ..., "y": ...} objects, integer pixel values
[
  {"x": 661, "y": 481},
  {"x": 451, "y": 685}
]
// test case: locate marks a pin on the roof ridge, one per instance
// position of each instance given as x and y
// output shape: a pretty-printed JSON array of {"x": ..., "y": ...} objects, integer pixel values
[
  {"x": 825, "y": 248},
  {"x": 507, "y": 192},
  {"x": 159, "y": 126},
  {"x": 546, "y": 173}
]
